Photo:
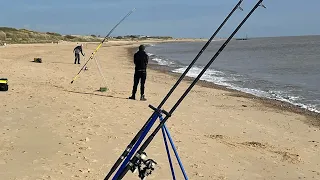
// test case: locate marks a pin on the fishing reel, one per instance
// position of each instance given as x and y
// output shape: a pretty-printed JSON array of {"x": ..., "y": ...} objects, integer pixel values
[{"x": 143, "y": 165}]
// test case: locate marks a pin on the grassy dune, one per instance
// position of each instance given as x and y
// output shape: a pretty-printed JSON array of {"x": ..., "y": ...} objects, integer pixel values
[{"x": 23, "y": 36}]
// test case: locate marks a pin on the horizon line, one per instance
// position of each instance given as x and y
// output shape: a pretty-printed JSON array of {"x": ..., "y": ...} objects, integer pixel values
[{"x": 101, "y": 36}]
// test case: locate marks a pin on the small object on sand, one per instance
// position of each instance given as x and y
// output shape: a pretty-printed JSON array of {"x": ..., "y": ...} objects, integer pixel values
[
  {"x": 85, "y": 68},
  {"x": 37, "y": 60},
  {"x": 103, "y": 89},
  {"x": 244, "y": 105},
  {"x": 4, "y": 84}
]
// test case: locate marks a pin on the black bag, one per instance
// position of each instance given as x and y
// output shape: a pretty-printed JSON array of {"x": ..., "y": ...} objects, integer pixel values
[
  {"x": 37, "y": 60},
  {"x": 4, "y": 84}
]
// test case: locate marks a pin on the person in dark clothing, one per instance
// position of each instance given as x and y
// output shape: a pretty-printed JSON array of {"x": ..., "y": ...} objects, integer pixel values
[
  {"x": 141, "y": 61},
  {"x": 77, "y": 51}
]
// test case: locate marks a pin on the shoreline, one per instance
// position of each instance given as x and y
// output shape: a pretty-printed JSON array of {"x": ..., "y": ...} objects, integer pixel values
[{"x": 313, "y": 117}]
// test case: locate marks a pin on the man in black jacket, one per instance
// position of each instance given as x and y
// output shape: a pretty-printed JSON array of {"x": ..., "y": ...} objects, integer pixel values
[
  {"x": 141, "y": 61},
  {"x": 77, "y": 51}
]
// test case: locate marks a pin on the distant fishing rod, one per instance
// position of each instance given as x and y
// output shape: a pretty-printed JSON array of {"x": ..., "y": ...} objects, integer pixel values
[
  {"x": 91, "y": 57},
  {"x": 140, "y": 157},
  {"x": 126, "y": 152}
]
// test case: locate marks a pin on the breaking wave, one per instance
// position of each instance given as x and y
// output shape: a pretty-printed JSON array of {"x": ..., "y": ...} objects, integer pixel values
[{"x": 227, "y": 79}]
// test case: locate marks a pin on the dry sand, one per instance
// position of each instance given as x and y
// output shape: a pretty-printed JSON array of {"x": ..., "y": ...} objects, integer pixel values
[{"x": 51, "y": 129}]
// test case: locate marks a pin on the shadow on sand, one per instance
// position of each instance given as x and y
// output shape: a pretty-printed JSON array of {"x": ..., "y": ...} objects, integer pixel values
[{"x": 95, "y": 94}]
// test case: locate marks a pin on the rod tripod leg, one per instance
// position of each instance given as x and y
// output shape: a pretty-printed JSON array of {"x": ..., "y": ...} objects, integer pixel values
[
  {"x": 100, "y": 71},
  {"x": 164, "y": 128},
  {"x": 168, "y": 153}
]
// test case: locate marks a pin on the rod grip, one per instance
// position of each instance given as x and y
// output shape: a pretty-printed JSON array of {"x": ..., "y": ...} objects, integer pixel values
[{"x": 124, "y": 172}]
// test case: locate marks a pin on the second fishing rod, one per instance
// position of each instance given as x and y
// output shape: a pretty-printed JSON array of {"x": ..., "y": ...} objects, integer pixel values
[
  {"x": 104, "y": 39},
  {"x": 140, "y": 155},
  {"x": 135, "y": 139}
]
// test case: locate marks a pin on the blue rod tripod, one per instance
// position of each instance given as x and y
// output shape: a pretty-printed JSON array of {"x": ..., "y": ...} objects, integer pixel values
[
  {"x": 156, "y": 114},
  {"x": 165, "y": 132}
]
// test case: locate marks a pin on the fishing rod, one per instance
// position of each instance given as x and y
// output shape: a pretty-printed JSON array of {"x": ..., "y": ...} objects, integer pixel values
[
  {"x": 140, "y": 158},
  {"x": 104, "y": 39},
  {"x": 128, "y": 149}
]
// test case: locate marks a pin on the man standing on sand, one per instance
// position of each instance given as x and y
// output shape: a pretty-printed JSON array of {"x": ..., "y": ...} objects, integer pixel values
[
  {"x": 141, "y": 61},
  {"x": 77, "y": 51}
]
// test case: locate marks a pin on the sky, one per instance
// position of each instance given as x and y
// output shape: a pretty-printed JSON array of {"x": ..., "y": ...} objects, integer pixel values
[{"x": 177, "y": 18}]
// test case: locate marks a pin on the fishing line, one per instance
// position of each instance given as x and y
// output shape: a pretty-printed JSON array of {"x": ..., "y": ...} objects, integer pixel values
[{"x": 96, "y": 50}]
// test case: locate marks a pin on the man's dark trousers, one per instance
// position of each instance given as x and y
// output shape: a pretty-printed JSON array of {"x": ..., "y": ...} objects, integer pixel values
[
  {"x": 77, "y": 58},
  {"x": 139, "y": 75}
]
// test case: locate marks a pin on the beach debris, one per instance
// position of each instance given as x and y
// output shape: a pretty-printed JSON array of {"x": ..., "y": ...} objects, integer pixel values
[
  {"x": 199, "y": 174},
  {"x": 85, "y": 139},
  {"x": 318, "y": 173},
  {"x": 103, "y": 89},
  {"x": 314, "y": 141},
  {"x": 37, "y": 60},
  {"x": 85, "y": 170}
]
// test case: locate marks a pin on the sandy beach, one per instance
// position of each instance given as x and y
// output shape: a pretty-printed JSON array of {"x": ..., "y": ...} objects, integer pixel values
[{"x": 54, "y": 130}]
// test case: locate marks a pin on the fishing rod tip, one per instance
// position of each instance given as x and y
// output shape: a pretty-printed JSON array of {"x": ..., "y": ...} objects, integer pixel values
[{"x": 263, "y": 6}]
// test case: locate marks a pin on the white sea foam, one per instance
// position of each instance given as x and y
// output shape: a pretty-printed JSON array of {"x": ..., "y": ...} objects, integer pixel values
[
  {"x": 220, "y": 78},
  {"x": 163, "y": 62},
  {"x": 209, "y": 75}
]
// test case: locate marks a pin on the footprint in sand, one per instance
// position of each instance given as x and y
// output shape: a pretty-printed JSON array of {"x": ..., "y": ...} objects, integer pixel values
[
  {"x": 284, "y": 155},
  {"x": 255, "y": 144},
  {"x": 215, "y": 136}
]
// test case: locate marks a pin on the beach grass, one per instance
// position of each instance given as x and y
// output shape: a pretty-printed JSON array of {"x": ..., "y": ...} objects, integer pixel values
[{"x": 10, "y": 35}]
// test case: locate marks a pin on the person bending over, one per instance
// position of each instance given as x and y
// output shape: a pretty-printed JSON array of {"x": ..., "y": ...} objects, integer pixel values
[{"x": 77, "y": 50}]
